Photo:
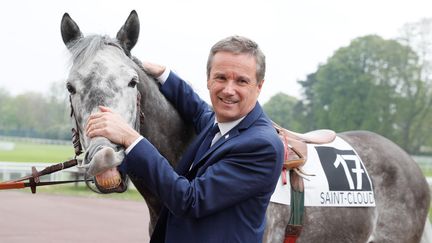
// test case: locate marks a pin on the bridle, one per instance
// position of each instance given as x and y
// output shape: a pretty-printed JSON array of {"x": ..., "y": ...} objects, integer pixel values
[
  {"x": 34, "y": 178},
  {"x": 76, "y": 133}
]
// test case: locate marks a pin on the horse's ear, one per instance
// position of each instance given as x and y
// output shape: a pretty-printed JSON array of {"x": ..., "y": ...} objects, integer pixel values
[
  {"x": 129, "y": 32},
  {"x": 69, "y": 30}
]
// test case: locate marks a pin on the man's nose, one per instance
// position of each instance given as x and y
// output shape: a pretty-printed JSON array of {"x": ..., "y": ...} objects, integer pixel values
[{"x": 229, "y": 87}]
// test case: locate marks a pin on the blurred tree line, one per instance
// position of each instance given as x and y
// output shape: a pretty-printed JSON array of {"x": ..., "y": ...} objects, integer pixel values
[
  {"x": 372, "y": 84},
  {"x": 35, "y": 115}
]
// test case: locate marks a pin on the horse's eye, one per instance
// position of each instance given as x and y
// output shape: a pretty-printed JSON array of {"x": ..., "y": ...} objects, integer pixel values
[
  {"x": 70, "y": 88},
  {"x": 133, "y": 82}
]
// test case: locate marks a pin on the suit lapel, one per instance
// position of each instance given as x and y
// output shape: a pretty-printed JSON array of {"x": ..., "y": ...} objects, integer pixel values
[
  {"x": 231, "y": 134},
  {"x": 244, "y": 124},
  {"x": 188, "y": 157}
]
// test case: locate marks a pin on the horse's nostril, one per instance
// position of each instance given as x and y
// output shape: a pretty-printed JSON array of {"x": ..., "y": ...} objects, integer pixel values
[
  {"x": 118, "y": 148},
  {"x": 90, "y": 153},
  {"x": 86, "y": 158}
]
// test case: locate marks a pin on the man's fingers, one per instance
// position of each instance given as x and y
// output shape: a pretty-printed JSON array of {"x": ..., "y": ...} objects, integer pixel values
[
  {"x": 95, "y": 116},
  {"x": 153, "y": 69},
  {"x": 93, "y": 122},
  {"x": 96, "y": 129},
  {"x": 104, "y": 109}
]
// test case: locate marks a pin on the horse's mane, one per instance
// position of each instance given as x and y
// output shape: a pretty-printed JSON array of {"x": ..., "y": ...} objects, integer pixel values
[{"x": 86, "y": 47}]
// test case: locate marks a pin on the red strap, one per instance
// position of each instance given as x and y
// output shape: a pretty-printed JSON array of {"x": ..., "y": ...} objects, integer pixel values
[
  {"x": 284, "y": 140},
  {"x": 286, "y": 147},
  {"x": 292, "y": 232},
  {"x": 290, "y": 239},
  {"x": 284, "y": 178}
]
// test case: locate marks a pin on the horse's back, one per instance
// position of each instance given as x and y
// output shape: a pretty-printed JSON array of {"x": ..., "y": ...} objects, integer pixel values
[
  {"x": 401, "y": 197},
  {"x": 401, "y": 191}
]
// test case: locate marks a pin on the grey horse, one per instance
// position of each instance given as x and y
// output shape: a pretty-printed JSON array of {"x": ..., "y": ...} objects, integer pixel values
[{"x": 105, "y": 73}]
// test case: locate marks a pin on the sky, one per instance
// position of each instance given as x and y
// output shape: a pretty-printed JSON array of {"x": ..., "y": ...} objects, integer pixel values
[{"x": 295, "y": 36}]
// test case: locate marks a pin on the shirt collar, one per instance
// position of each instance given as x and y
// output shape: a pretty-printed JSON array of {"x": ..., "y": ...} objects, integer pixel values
[{"x": 225, "y": 127}]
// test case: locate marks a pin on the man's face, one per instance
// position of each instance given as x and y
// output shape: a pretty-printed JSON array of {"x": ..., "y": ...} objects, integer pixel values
[{"x": 233, "y": 86}]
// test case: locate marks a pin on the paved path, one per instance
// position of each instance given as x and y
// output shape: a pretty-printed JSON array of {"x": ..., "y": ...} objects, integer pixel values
[{"x": 42, "y": 218}]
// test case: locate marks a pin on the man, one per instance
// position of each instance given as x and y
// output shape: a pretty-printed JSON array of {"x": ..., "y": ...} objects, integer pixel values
[{"x": 220, "y": 191}]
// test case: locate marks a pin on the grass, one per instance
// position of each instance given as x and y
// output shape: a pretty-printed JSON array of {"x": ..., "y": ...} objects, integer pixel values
[
  {"x": 427, "y": 173},
  {"x": 34, "y": 152}
]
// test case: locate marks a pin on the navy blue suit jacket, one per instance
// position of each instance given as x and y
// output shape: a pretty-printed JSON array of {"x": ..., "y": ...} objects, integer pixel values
[{"x": 224, "y": 197}]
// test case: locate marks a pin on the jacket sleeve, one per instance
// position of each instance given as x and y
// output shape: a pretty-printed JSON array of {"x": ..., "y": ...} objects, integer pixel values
[
  {"x": 190, "y": 106},
  {"x": 245, "y": 170}
]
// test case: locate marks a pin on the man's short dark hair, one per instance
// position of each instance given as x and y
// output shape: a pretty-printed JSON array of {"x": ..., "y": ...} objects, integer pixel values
[{"x": 239, "y": 45}]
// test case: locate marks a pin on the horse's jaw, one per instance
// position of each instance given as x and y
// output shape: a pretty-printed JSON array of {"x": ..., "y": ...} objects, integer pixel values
[
  {"x": 101, "y": 161},
  {"x": 104, "y": 159}
]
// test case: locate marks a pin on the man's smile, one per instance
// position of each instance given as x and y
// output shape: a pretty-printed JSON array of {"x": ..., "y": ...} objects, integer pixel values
[{"x": 228, "y": 101}]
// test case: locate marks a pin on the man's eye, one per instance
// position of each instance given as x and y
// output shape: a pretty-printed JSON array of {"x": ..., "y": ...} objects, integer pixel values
[{"x": 243, "y": 82}]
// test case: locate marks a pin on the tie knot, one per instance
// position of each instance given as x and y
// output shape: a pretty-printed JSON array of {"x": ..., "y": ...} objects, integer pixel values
[{"x": 214, "y": 130}]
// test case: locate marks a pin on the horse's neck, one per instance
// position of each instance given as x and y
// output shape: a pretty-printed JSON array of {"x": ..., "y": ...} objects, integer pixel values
[
  {"x": 164, "y": 128},
  {"x": 162, "y": 125}
]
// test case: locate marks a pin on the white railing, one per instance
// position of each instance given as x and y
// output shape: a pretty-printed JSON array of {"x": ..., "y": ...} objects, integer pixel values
[{"x": 425, "y": 162}]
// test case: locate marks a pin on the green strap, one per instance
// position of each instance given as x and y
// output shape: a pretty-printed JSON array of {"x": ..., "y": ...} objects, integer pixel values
[
  {"x": 297, "y": 201},
  {"x": 297, "y": 207}
]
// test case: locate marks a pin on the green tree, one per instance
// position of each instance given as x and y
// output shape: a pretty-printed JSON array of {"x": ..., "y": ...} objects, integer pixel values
[
  {"x": 306, "y": 105},
  {"x": 282, "y": 109},
  {"x": 418, "y": 103},
  {"x": 31, "y": 114},
  {"x": 5, "y": 109},
  {"x": 36, "y": 115},
  {"x": 367, "y": 85},
  {"x": 59, "y": 109}
]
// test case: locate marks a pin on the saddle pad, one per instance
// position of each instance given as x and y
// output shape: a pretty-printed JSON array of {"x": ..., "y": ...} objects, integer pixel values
[{"x": 340, "y": 180}]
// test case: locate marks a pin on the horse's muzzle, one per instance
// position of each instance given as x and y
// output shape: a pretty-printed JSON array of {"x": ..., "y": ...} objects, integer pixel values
[{"x": 102, "y": 158}]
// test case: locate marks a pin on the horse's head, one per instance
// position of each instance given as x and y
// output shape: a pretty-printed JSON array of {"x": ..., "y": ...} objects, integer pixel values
[{"x": 102, "y": 73}]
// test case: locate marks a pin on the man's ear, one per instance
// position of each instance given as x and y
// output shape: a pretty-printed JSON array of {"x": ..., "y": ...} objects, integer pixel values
[
  {"x": 259, "y": 85},
  {"x": 209, "y": 83}
]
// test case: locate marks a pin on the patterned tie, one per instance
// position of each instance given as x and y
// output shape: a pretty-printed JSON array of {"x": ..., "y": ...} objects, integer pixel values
[{"x": 205, "y": 145}]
